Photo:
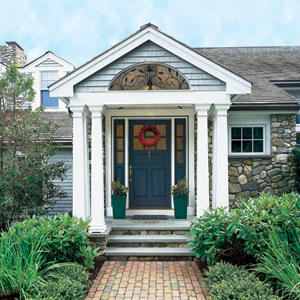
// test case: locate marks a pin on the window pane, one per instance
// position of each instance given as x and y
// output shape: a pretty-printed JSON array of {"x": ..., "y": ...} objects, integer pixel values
[
  {"x": 179, "y": 143},
  {"x": 236, "y": 133},
  {"x": 258, "y": 146},
  {"x": 179, "y": 129},
  {"x": 162, "y": 129},
  {"x": 161, "y": 145},
  {"x": 44, "y": 84},
  {"x": 179, "y": 157},
  {"x": 119, "y": 157},
  {"x": 136, "y": 129},
  {"x": 149, "y": 134},
  {"x": 247, "y": 133},
  {"x": 149, "y": 148},
  {"x": 236, "y": 146},
  {"x": 258, "y": 132},
  {"x": 119, "y": 144},
  {"x": 120, "y": 130},
  {"x": 247, "y": 146},
  {"x": 137, "y": 145}
]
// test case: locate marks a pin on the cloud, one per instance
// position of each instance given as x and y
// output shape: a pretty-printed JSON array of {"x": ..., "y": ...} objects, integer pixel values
[{"x": 78, "y": 30}]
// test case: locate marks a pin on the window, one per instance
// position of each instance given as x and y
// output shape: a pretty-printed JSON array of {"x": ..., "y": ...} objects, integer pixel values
[
  {"x": 247, "y": 139},
  {"x": 47, "y": 78}
]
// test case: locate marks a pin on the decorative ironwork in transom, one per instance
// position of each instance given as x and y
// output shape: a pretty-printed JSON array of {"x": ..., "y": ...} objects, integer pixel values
[{"x": 149, "y": 77}]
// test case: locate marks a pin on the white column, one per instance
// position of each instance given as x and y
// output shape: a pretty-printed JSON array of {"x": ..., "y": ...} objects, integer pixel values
[
  {"x": 202, "y": 159},
  {"x": 220, "y": 157},
  {"x": 97, "y": 183},
  {"x": 81, "y": 189}
]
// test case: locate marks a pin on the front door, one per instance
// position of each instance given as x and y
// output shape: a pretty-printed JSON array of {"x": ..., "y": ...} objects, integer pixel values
[{"x": 150, "y": 167}]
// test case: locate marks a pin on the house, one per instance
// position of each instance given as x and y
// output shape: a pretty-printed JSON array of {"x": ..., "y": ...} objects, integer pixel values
[
  {"x": 226, "y": 123},
  {"x": 226, "y": 119}
]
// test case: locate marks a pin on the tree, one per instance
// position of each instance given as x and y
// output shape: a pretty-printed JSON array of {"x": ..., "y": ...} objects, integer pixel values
[{"x": 26, "y": 147}]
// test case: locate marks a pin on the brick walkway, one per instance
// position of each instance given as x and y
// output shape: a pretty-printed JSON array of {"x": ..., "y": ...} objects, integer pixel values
[{"x": 140, "y": 280}]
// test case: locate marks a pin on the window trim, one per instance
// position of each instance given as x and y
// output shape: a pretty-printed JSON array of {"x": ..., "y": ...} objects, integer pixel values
[{"x": 247, "y": 153}]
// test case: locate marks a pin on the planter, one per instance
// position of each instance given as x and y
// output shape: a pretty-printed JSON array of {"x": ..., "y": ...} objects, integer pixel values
[
  {"x": 180, "y": 206},
  {"x": 119, "y": 206}
]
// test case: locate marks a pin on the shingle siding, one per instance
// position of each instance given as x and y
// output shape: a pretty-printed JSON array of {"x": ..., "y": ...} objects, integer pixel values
[{"x": 150, "y": 52}]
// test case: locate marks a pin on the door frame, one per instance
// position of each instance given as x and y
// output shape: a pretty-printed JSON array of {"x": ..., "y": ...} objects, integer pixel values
[{"x": 156, "y": 114}]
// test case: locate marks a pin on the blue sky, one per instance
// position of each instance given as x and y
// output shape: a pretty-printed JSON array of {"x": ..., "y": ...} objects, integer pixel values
[{"x": 78, "y": 30}]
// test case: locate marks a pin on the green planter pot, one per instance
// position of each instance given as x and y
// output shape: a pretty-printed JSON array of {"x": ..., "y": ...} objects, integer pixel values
[
  {"x": 180, "y": 207},
  {"x": 119, "y": 206}
]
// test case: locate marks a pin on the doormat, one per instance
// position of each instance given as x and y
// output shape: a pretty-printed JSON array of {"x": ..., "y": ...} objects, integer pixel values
[{"x": 150, "y": 217}]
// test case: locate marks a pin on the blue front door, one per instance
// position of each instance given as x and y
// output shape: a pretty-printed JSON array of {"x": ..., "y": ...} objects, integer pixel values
[{"x": 150, "y": 167}]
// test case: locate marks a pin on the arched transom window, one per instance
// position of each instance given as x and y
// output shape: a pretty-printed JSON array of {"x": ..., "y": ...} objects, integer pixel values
[{"x": 149, "y": 76}]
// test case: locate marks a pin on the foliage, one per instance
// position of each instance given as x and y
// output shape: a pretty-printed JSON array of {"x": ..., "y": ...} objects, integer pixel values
[
  {"x": 240, "y": 235},
  {"x": 66, "y": 238},
  {"x": 118, "y": 189},
  {"x": 296, "y": 155},
  {"x": 229, "y": 282},
  {"x": 26, "y": 146},
  {"x": 281, "y": 262},
  {"x": 181, "y": 188},
  {"x": 67, "y": 282}
]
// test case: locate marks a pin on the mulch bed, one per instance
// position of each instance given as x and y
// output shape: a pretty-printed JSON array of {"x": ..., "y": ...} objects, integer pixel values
[
  {"x": 97, "y": 266},
  {"x": 11, "y": 297}
]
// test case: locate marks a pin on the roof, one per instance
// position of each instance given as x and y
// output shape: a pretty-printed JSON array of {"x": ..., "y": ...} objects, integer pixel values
[
  {"x": 47, "y": 52},
  {"x": 261, "y": 66},
  {"x": 64, "y": 122}
]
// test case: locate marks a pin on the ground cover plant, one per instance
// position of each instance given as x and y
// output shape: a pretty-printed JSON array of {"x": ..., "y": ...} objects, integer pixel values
[
  {"x": 240, "y": 236},
  {"x": 230, "y": 282}
]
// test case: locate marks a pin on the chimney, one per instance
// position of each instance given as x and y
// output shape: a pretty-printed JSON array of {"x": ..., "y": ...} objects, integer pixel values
[{"x": 13, "y": 53}]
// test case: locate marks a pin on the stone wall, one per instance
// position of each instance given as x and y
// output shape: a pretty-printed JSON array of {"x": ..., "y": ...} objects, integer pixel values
[
  {"x": 12, "y": 53},
  {"x": 275, "y": 173}
]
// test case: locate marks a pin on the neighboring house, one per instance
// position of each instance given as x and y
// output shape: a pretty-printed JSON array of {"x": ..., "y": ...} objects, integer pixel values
[
  {"x": 226, "y": 117},
  {"x": 45, "y": 70}
]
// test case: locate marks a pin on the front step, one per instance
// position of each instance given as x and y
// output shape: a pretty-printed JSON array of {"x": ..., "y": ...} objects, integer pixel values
[
  {"x": 152, "y": 252},
  {"x": 174, "y": 238}
]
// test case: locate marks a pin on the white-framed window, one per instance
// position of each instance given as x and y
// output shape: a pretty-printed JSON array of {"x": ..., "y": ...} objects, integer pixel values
[
  {"x": 47, "y": 78},
  {"x": 247, "y": 139}
]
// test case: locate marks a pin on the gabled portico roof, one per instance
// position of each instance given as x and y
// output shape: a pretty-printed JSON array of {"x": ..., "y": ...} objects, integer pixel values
[{"x": 235, "y": 84}]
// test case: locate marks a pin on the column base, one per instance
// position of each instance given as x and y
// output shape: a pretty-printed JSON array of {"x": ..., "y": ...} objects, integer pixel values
[{"x": 97, "y": 229}]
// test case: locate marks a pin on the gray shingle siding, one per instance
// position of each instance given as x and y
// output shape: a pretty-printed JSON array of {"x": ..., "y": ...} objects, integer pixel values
[
  {"x": 149, "y": 52},
  {"x": 64, "y": 205}
]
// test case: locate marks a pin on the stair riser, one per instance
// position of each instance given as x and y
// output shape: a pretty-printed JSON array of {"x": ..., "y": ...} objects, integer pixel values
[
  {"x": 145, "y": 245},
  {"x": 151, "y": 258},
  {"x": 149, "y": 232}
]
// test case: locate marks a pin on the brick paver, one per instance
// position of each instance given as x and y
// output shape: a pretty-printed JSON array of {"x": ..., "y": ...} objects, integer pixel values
[{"x": 142, "y": 280}]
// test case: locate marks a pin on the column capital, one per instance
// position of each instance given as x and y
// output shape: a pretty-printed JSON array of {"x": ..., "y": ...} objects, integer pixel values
[
  {"x": 96, "y": 111},
  {"x": 79, "y": 111},
  {"x": 202, "y": 110},
  {"x": 221, "y": 109}
]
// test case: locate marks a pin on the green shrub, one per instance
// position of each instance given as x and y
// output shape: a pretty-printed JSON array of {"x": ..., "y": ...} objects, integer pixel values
[
  {"x": 66, "y": 238},
  {"x": 21, "y": 260},
  {"x": 229, "y": 282},
  {"x": 281, "y": 262},
  {"x": 241, "y": 234}
]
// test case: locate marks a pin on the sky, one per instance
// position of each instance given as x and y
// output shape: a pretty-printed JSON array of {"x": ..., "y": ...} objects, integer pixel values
[{"x": 78, "y": 30}]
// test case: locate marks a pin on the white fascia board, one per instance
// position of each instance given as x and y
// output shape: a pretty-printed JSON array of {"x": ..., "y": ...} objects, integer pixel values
[
  {"x": 234, "y": 83},
  {"x": 142, "y": 98}
]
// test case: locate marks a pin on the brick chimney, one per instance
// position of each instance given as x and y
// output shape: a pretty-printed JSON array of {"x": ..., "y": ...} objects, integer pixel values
[{"x": 13, "y": 53}]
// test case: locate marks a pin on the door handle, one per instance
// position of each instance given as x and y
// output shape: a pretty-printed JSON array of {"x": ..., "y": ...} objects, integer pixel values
[{"x": 130, "y": 173}]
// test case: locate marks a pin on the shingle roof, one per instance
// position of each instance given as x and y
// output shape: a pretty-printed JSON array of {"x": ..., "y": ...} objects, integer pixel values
[
  {"x": 64, "y": 121},
  {"x": 261, "y": 66}
]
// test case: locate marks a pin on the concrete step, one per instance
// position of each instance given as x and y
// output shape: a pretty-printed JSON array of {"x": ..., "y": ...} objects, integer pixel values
[
  {"x": 170, "y": 238},
  {"x": 153, "y": 251}
]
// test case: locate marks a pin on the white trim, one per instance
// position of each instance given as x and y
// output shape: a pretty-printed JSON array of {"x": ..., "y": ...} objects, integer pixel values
[
  {"x": 234, "y": 83},
  {"x": 131, "y": 114}
]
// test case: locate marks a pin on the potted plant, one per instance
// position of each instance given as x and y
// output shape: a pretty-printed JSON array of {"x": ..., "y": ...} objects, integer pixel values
[
  {"x": 180, "y": 194},
  {"x": 118, "y": 198}
]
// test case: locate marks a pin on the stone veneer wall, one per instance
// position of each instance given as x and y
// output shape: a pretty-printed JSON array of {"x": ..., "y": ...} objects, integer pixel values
[
  {"x": 272, "y": 174},
  {"x": 12, "y": 53}
]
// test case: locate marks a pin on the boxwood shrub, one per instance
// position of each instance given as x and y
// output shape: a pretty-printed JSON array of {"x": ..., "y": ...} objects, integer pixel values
[
  {"x": 229, "y": 282},
  {"x": 240, "y": 235}
]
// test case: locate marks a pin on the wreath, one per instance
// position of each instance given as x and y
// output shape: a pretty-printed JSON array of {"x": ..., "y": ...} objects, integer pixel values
[{"x": 156, "y": 138}]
